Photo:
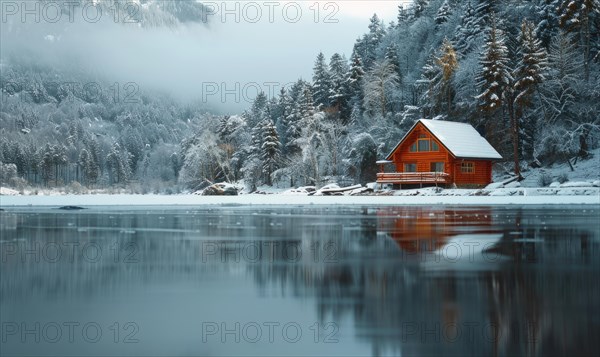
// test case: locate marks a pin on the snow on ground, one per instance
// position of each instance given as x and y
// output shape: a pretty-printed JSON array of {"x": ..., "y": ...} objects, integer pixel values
[
  {"x": 584, "y": 170},
  {"x": 4, "y": 191}
]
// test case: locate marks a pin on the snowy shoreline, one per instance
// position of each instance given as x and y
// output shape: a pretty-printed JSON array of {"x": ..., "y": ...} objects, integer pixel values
[{"x": 279, "y": 199}]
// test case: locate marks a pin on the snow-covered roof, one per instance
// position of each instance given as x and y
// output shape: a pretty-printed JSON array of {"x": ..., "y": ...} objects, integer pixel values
[{"x": 461, "y": 139}]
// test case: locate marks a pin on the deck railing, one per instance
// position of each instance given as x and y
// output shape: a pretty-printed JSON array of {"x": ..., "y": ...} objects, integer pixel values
[{"x": 412, "y": 177}]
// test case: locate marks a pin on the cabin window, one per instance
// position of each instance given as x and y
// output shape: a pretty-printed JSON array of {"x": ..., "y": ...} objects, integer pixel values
[
  {"x": 424, "y": 144},
  {"x": 437, "y": 167},
  {"x": 410, "y": 167},
  {"x": 467, "y": 167}
]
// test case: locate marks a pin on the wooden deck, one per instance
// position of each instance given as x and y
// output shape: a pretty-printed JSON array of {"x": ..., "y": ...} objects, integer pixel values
[{"x": 413, "y": 178}]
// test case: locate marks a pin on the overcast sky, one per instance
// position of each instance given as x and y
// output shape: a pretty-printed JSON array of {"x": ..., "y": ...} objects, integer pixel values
[{"x": 248, "y": 45}]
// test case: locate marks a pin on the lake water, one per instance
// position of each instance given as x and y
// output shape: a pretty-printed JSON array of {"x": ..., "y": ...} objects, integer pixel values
[{"x": 342, "y": 280}]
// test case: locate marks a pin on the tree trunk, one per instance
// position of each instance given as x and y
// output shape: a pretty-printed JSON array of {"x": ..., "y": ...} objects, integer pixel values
[{"x": 515, "y": 137}]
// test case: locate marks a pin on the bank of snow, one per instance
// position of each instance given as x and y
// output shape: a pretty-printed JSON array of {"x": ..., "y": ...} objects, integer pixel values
[{"x": 517, "y": 198}]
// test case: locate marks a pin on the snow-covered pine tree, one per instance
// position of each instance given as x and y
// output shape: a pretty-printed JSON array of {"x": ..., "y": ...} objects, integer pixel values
[
  {"x": 82, "y": 164},
  {"x": 576, "y": 16},
  {"x": 293, "y": 126},
  {"x": 474, "y": 22},
  {"x": 354, "y": 81},
  {"x": 404, "y": 16},
  {"x": 391, "y": 54},
  {"x": 258, "y": 111},
  {"x": 285, "y": 108},
  {"x": 468, "y": 31},
  {"x": 338, "y": 93},
  {"x": 306, "y": 105},
  {"x": 270, "y": 151},
  {"x": 46, "y": 164},
  {"x": 548, "y": 21},
  {"x": 494, "y": 81},
  {"x": 419, "y": 7},
  {"x": 321, "y": 81},
  {"x": 133, "y": 143},
  {"x": 118, "y": 162},
  {"x": 495, "y": 74},
  {"x": 529, "y": 74},
  {"x": 443, "y": 13},
  {"x": 60, "y": 161},
  {"x": 372, "y": 40},
  {"x": 431, "y": 78}
]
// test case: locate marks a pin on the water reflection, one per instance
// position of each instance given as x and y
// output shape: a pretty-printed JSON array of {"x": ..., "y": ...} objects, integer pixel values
[{"x": 394, "y": 280}]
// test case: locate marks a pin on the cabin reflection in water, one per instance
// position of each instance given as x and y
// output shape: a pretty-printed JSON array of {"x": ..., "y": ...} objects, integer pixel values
[{"x": 425, "y": 229}]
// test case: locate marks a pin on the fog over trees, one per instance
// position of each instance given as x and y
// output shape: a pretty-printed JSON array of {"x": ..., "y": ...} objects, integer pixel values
[{"x": 524, "y": 73}]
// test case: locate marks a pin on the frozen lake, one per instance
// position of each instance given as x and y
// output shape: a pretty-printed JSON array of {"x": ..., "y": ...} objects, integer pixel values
[{"x": 303, "y": 280}]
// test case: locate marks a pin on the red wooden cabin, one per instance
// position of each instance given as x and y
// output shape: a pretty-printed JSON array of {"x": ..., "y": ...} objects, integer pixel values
[{"x": 441, "y": 153}]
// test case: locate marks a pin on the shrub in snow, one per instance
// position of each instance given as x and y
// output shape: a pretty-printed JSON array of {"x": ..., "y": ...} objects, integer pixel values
[
  {"x": 562, "y": 178},
  {"x": 8, "y": 172},
  {"x": 544, "y": 180},
  {"x": 75, "y": 188}
]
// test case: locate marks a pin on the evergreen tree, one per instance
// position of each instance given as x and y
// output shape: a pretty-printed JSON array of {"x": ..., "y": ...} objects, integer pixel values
[
  {"x": 371, "y": 41},
  {"x": 576, "y": 16},
  {"x": 469, "y": 30},
  {"x": 118, "y": 162},
  {"x": 529, "y": 74},
  {"x": 47, "y": 164},
  {"x": 548, "y": 23},
  {"x": 495, "y": 74},
  {"x": 321, "y": 81},
  {"x": 259, "y": 110},
  {"x": 419, "y": 7},
  {"x": 133, "y": 143},
  {"x": 285, "y": 108},
  {"x": 431, "y": 77},
  {"x": 354, "y": 83},
  {"x": 443, "y": 13},
  {"x": 271, "y": 151},
  {"x": 391, "y": 54},
  {"x": 404, "y": 16},
  {"x": 338, "y": 93},
  {"x": 82, "y": 164},
  {"x": 301, "y": 99},
  {"x": 59, "y": 160},
  {"x": 495, "y": 80}
]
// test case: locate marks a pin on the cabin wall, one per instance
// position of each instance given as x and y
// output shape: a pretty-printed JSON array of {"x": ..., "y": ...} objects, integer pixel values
[
  {"x": 481, "y": 175},
  {"x": 422, "y": 159},
  {"x": 482, "y": 169}
]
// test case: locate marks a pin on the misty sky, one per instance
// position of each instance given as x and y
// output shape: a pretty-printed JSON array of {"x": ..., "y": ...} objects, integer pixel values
[{"x": 192, "y": 61}]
